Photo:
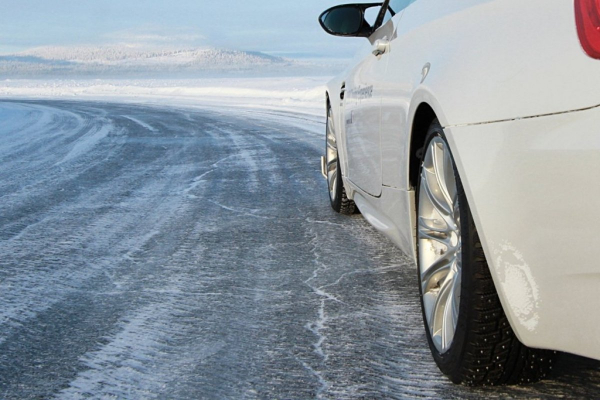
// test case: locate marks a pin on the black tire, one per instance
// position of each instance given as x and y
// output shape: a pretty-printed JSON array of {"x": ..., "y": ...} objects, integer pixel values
[
  {"x": 341, "y": 203},
  {"x": 485, "y": 349},
  {"x": 339, "y": 199}
]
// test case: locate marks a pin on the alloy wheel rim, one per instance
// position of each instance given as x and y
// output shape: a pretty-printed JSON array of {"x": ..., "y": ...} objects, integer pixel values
[
  {"x": 331, "y": 157},
  {"x": 440, "y": 263}
]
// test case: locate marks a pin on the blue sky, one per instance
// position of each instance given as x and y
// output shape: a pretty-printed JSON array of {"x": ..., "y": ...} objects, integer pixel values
[{"x": 281, "y": 27}]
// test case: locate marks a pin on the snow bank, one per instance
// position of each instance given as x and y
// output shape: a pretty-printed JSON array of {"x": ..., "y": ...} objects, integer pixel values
[{"x": 299, "y": 94}]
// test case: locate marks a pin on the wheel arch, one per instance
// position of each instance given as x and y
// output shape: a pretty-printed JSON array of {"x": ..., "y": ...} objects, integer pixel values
[
  {"x": 425, "y": 112},
  {"x": 424, "y": 116}
]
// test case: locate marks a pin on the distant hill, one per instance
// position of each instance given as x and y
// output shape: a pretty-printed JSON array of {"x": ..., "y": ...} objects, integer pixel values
[{"x": 131, "y": 61}]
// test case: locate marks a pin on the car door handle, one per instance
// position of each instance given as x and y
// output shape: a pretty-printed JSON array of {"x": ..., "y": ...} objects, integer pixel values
[{"x": 381, "y": 46}]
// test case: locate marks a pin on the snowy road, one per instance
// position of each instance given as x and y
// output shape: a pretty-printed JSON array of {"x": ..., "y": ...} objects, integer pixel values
[{"x": 151, "y": 252}]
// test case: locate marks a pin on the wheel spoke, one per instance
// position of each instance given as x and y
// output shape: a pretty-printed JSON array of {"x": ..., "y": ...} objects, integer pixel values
[
  {"x": 439, "y": 237},
  {"x": 441, "y": 210},
  {"x": 436, "y": 273},
  {"x": 332, "y": 178},
  {"x": 438, "y": 202},
  {"x": 448, "y": 326},
  {"x": 331, "y": 143},
  {"x": 434, "y": 225},
  {"x": 440, "y": 158},
  {"x": 441, "y": 302},
  {"x": 450, "y": 180},
  {"x": 332, "y": 164},
  {"x": 429, "y": 229},
  {"x": 331, "y": 155}
]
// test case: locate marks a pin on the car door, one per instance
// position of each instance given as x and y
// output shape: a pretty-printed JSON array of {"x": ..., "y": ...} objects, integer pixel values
[
  {"x": 362, "y": 112},
  {"x": 395, "y": 99}
]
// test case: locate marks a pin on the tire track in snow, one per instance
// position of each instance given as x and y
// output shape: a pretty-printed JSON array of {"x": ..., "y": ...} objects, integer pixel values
[{"x": 200, "y": 260}]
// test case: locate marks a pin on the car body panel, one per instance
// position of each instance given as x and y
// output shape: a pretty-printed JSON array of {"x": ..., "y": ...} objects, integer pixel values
[
  {"x": 493, "y": 50},
  {"x": 362, "y": 109},
  {"x": 385, "y": 214},
  {"x": 505, "y": 79},
  {"x": 533, "y": 190}
]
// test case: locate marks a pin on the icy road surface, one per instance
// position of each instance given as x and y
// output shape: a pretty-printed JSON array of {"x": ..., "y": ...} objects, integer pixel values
[{"x": 153, "y": 252}]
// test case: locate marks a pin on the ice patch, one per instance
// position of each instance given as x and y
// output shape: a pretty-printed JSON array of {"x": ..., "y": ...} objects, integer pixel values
[
  {"x": 87, "y": 142},
  {"x": 141, "y": 123}
]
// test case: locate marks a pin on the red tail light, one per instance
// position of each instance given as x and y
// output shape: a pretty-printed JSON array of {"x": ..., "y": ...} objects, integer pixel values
[{"x": 587, "y": 13}]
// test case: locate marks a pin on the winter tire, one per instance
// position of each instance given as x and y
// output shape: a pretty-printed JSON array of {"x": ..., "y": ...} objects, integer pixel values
[
  {"x": 337, "y": 193},
  {"x": 467, "y": 330}
]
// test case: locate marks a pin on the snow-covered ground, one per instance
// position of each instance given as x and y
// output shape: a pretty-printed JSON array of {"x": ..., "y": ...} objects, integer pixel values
[
  {"x": 296, "y": 94},
  {"x": 176, "y": 76},
  {"x": 165, "y": 251}
]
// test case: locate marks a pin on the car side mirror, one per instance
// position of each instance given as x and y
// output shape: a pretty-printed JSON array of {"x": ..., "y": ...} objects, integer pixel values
[{"x": 348, "y": 20}]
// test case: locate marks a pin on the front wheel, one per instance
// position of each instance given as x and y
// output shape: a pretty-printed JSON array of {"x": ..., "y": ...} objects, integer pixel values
[
  {"x": 337, "y": 193},
  {"x": 467, "y": 330}
]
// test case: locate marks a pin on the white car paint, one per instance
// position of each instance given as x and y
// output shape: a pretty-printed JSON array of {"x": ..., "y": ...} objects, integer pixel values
[
  {"x": 518, "y": 100},
  {"x": 533, "y": 189}
]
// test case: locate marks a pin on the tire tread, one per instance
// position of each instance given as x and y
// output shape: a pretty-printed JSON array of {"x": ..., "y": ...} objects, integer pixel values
[
  {"x": 347, "y": 206},
  {"x": 488, "y": 353},
  {"x": 493, "y": 353}
]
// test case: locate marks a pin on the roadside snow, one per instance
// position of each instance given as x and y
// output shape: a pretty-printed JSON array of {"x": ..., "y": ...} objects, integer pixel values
[{"x": 298, "y": 94}]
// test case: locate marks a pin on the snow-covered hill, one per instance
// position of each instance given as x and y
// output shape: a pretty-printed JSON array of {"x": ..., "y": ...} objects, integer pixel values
[
  {"x": 121, "y": 53},
  {"x": 134, "y": 61}
]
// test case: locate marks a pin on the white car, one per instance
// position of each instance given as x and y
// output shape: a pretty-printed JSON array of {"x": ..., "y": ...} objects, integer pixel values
[{"x": 468, "y": 132}]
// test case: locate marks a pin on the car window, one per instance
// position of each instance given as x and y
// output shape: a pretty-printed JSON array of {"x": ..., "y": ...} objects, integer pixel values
[
  {"x": 388, "y": 16},
  {"x": 371, "y": 15},
  {"x": 398, "y": 5},
  {"x": 394, "y": 8}
]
